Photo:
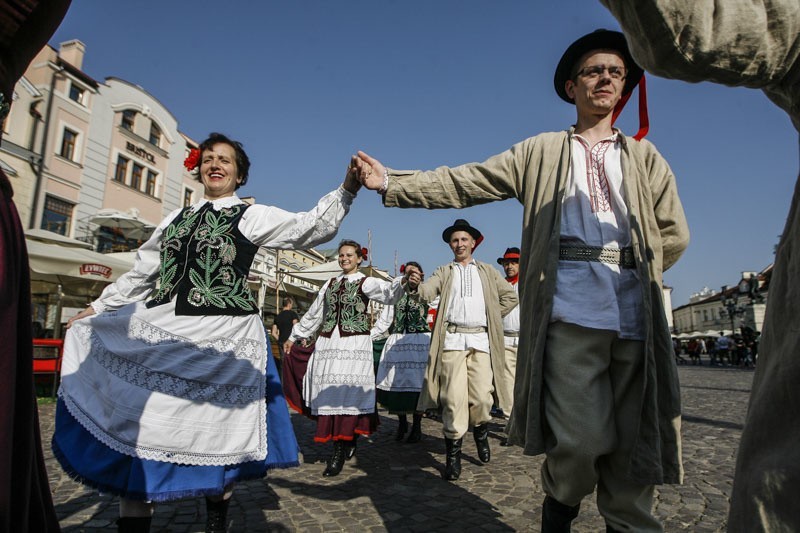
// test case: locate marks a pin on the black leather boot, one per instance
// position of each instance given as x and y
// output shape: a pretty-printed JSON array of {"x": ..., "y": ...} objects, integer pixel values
[
  {"x": 481, "y": 434},
  {"x": 452, "y": 469},
  {"x": 336, "y": 461},
  {"x": 350, "y": 448},
  {"x": 217, "y": 515},
  {"x": 557, "y": 517},
  {"x": 133, "y": 524},
  {"x": 416, "y": 429},
  {"x": 402, "y": 427}
]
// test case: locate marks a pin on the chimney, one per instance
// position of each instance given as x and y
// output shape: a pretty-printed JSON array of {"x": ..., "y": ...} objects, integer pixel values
[{"x": 72, "y": 52}]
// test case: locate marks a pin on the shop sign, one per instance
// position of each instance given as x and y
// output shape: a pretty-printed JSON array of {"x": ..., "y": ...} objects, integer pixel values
[
  {"x": 95, "y": 269},
  {"x": 141, "y": 152}
]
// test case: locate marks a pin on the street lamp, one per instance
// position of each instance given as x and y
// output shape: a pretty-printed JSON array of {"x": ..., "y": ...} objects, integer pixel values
[{"x": 730, "y": 302}]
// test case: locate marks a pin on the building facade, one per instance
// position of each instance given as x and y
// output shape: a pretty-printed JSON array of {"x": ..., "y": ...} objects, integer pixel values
[
  {"x": 728, "y": 310},
  {"x": 102, "y": 162}
]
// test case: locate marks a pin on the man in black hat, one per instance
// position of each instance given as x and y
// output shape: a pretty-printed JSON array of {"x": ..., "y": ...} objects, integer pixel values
[
  {"x": 750, "y": 44},
  {"x": 596, "y": 385},
  {"x": 466, "y": 343},
  {"x": 510, "y": 264}
]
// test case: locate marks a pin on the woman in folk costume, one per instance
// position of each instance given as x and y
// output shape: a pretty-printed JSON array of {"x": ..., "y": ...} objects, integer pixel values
[
  {"x": 401, "y": 370},
  {"x": 178, "y": 396},
  {"x": 339, "y": 384}
]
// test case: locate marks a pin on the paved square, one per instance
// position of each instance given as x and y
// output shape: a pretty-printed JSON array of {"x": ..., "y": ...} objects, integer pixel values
[{"x": 394, "y": 486}]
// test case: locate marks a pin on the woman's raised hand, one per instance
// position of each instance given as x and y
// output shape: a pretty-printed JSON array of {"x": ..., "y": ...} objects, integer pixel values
[{"x": 89, "y": 311}]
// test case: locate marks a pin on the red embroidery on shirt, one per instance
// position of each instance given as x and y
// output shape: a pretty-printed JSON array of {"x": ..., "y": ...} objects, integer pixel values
[{"x": 596, "y": 178}]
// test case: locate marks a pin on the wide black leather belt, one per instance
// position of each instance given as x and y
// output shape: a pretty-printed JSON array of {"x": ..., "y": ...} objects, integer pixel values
[{"x": 612, "y": 256}]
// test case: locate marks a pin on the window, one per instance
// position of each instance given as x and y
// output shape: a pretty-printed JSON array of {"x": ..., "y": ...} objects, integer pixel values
[
  {"x": 150, "y": 184},
  {"x": 68, "y": 144},
  {"x": 188, "y": 197},
  {"x": 76, "y": 94},
  {"x": 122, "y": 169},
  {"x": 57, "y": 215},
  {"x": 155, "y": 134},
  {"x": 128, "y": 118},
  {"x": 136, "y": 176}
]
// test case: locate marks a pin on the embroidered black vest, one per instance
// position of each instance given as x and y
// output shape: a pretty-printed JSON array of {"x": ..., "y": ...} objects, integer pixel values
[
  {"x": 410, "y": 316},
  {"x": 345, "y": 308},
  {"x": 205, "y": 260}
]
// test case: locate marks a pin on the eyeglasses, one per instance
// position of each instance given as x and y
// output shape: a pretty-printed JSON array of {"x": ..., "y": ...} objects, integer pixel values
[{"x": 595, "y": 71}]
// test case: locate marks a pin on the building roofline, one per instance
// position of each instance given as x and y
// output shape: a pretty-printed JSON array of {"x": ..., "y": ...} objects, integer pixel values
[{"x": 145, "y": 91}]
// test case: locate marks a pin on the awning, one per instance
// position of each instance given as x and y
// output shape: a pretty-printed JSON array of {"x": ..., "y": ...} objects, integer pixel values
[
  {"x": 48, "y": 237},
  {"x": 80, "y": 272},
  {"x": 130, "y": 225},
  {"x": 321, "y": 273}
]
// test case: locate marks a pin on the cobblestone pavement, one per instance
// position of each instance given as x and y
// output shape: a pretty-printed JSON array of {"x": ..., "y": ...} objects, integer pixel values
[{"x": 394, "y": 486}]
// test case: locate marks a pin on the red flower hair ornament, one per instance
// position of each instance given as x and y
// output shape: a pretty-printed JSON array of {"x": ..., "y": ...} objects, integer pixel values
[
  {"x": 364, "y": 252},
  {"x": 403, "y": 268},
  {"x": 192, "y": 161}
]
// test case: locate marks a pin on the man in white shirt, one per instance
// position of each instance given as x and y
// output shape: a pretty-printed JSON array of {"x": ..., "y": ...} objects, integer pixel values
[
  {"x": 596, "y": 387},
  {"x": 466, "y": 343}
]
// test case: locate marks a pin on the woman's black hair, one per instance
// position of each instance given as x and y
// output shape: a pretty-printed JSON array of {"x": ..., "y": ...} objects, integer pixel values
[{"x": 242, "y": 161}]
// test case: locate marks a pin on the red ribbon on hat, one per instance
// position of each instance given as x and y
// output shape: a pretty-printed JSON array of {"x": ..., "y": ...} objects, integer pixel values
[
  {"x": 644, "y": 119},
  {"x": 477, "y": 242}
]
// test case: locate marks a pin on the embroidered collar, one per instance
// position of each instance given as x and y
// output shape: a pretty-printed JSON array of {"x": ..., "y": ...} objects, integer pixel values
[
  {"x": 613, "y": 138},
  {"x": 219, "y": 203},
  {"x": 351, "y": 277}
]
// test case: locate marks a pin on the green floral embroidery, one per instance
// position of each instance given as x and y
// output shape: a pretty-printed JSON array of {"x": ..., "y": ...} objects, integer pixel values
[
  {"x": 212, "y": 285},
  {"x": 410, "y": 316},
  {"x": 171, "y": 245},
  {"x": 214, "y": 282},
  {"x": 345, "y": 307}
]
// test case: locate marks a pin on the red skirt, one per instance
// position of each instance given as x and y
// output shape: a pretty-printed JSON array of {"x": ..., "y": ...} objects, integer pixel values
[
  {"x": 344, "y": 427},
  {"x": 294, "y": 369}
]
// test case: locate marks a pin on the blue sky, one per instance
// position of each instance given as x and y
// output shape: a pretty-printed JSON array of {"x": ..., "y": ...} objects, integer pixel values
[{"x": 424, "y": 83}]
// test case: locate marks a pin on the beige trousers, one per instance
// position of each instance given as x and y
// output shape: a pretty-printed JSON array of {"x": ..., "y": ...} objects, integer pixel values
[
  {"x": 593, "y": 386},
  {"x": 510, "y": 369},
  {"x": 465, "y": 391}
]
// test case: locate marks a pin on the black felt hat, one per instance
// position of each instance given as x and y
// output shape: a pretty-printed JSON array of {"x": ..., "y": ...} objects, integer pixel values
[
  {"x": 597, "y": 40},
  {"x": 461, "y": 225},
  {"x": 512, "y": 254}
]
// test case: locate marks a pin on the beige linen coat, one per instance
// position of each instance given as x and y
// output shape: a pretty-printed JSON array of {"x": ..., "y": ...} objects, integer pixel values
[
  {"x": 535, "y": 172},
  {"x": 500, "y": 300},
  {"x": 756, "y": 44}
]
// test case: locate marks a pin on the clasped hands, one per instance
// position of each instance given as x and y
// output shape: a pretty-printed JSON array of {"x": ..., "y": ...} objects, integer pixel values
[{"x": 364, "y": 170}]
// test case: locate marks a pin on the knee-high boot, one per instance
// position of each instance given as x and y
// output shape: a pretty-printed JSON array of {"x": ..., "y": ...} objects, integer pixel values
[
  {"x": 336, "y": 461},
  {"x": 416, "y": 429},
  {"x": 217, "y": 515},
  {"x": 481, "y": 435},
  {"x": 557, "y": 517},
  {"x": 452, "y": 469},
  {"x": 133, "y": 524}
]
